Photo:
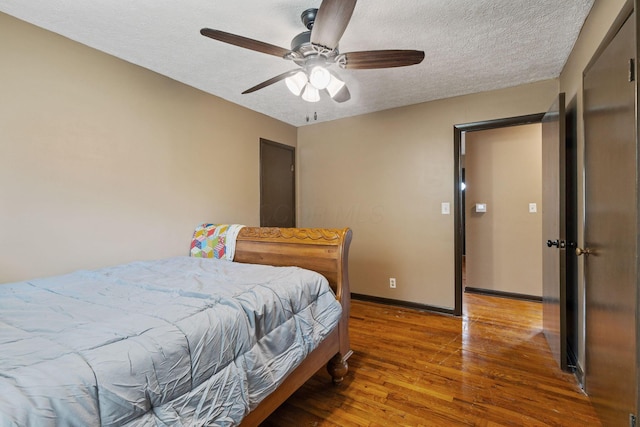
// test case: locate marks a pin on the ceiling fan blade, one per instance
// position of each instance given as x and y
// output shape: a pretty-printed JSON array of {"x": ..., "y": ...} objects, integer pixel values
[
  {"x": 380, "y": 59},
  {"x": 245, "y": 42},
  {"x": 343, "y": 95},
  {"x": 271, "y": 81},
  {"x": 331, "y": 20}
]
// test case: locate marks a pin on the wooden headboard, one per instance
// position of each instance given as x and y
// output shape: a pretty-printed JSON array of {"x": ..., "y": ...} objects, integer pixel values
[{"x": 324, "y": 250}]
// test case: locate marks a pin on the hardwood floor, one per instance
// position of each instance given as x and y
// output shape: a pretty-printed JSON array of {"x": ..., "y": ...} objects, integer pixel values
[{"x": 492, "y": 367}]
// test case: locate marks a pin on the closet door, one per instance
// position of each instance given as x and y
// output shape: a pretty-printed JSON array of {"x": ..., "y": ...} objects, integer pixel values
[
  {"x": 610, "y": 251},
  {"x": 277, "y": 185}
]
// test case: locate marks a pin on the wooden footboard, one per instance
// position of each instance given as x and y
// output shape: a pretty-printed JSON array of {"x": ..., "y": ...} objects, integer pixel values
[{"x": 319, "y": 249}]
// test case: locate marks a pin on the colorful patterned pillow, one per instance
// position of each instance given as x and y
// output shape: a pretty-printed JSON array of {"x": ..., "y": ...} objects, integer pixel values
[{"x": 209, "y": 241}]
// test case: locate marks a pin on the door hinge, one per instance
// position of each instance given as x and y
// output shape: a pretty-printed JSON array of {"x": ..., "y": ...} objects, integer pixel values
[
  {"x": 632, "y": 420},
  {"x": 632, "y": 70},
  {"x": 292, "y": 168}
]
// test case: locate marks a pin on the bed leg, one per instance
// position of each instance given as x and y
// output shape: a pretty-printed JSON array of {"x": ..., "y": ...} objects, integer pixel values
[{"x": 337, "y": 368}]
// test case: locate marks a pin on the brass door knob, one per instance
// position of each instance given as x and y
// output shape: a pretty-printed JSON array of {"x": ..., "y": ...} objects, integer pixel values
[{"x": 585, "y": 251}]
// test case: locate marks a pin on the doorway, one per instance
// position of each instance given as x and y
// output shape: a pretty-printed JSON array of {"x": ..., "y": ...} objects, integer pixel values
[
  {"x": 503, "y": 216},
  {"x": 571, "y": 312},
  {"x": 459, "y": 200},
  {"x": 277, "y": 184}
]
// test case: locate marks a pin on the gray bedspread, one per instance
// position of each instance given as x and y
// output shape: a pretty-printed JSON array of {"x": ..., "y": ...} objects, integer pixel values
[{"x": 180, "y": 341}]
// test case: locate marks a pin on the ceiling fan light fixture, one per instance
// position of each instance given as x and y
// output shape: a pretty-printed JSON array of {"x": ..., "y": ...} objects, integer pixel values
[
  {"x": 319, "y": 77},
  {"x": 316, "y": 50},
  {"x": 334, "y": 86},
  {"x": 310, "y": 94},
  {"x": 297, "y": 82}
]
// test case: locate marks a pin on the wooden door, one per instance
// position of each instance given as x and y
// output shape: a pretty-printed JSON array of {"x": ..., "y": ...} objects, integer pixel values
[
  {"x": 611, "y": 229},
  {"x": 570, "y": 223},
  {"x": 277, "y": 185},
  {"x": 554, "y": 243}
]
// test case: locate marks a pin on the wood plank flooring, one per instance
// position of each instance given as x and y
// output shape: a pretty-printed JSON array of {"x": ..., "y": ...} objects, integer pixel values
[{"x": 492, "y": 367}]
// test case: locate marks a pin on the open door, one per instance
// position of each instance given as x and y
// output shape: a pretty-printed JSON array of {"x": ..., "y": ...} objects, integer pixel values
[
  {"x": 610, "y": 251},
  {"x": 554, "y": 245}
]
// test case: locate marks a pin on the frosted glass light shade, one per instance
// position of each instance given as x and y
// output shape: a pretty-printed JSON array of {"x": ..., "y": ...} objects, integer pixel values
[
  {"x": 334, "y": 86},
  {"x": 296, "y": 83},
  {"x": 319, "y": 77},
  {"x": 310, "y": 94}
]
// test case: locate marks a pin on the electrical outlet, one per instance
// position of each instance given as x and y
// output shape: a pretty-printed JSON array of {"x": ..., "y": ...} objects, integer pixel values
[{"x": 392, "y": 282}]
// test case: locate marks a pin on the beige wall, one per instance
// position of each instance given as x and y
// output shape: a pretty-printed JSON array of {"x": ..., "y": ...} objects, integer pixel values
[
  {"x": 504, "y": 171},
  {"x": 102, "y": 161},
  {"x": 386, "y": 174},
  {"x": 600, "y": 20}
]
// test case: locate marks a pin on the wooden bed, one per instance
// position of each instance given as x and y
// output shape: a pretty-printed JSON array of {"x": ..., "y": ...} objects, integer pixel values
[
  {"x": 181, "y": 339},
  {"x": 325, "y": 251}
]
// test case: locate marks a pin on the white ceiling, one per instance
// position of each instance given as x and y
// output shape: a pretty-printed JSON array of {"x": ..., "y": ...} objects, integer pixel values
[{"x": 470, "y": 45}]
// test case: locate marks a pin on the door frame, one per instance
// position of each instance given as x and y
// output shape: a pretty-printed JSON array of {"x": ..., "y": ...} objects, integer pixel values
[{"x": 458, "y": 130}]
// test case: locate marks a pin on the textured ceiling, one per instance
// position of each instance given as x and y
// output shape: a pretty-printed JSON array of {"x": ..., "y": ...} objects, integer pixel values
[{"x": 470, "y": 46}]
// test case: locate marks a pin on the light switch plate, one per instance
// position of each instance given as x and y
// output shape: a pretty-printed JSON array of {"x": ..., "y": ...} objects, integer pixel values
[
  {"x": 445, "y": 208},
  {"x": 533, "y": 208}
]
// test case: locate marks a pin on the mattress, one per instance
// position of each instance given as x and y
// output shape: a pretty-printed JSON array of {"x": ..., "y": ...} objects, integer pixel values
[{"x": 178, "y": 341}]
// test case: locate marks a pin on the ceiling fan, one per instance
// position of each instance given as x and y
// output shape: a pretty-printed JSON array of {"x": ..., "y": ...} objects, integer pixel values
[{"x": 315, "y": 50}]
